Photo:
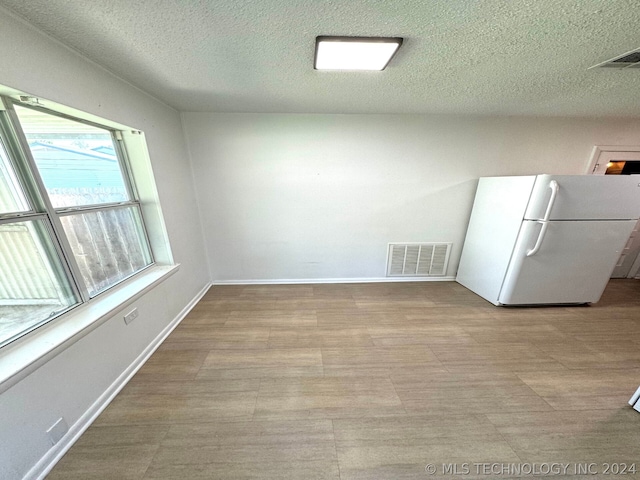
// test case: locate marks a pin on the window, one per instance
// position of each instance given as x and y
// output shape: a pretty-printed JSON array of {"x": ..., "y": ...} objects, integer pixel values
[{"x": 71, "y": 224}]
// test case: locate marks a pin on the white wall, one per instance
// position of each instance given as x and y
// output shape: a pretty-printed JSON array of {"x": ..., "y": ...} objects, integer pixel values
[
  {"x": 72, "y": 381},
  {"x": 320, "y": 196}
]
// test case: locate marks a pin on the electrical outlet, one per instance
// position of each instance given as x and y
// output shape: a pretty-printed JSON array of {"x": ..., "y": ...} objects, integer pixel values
[
  {"x": 131, "y": 316},
  {"x": 57, "y": 431}
]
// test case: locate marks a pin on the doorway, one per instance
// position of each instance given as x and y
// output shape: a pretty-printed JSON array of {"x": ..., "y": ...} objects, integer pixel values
[{"x": 621, "y": 160}]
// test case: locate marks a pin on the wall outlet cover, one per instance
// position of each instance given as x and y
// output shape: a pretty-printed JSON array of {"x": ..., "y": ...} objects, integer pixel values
[{"x": 131, "y": 316}]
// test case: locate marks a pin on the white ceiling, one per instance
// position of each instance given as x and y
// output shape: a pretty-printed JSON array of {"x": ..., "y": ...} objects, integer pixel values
[{"x": 459, "y": 56}]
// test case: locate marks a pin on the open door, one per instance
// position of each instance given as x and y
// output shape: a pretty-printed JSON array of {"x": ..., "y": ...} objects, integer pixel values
[{"x": 621, "y": 160}]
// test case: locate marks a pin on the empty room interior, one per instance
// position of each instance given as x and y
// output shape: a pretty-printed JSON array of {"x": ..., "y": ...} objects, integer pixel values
[{"x": 223, "y": 256}]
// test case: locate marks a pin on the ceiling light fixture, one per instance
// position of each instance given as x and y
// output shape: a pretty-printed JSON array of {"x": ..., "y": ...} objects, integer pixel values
[{"x": 355, "y": 53}]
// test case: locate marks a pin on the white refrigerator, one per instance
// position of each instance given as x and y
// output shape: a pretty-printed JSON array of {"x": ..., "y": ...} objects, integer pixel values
[{"x": 547, "y": 239}]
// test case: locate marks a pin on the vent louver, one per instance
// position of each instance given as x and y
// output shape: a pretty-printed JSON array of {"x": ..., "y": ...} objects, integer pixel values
[
  {"x": 418, "y": 259},
  {"x": 627, "y": 60}
]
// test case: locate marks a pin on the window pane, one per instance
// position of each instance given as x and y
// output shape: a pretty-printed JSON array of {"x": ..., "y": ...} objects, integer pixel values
[
  {"x": 33, "y": 289},
  {"x": 109, "y": 245},
  {"x": 77, "y": 162},
  {"x": 12, "y": 199}
]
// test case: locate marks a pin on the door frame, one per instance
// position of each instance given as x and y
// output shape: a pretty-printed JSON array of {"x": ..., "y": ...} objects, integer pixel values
[
  {"x": 600, "y": 156},
  {"x": 596, "y": 164}
]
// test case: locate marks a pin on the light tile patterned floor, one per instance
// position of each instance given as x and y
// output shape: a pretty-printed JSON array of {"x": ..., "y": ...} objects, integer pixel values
[{"x": 373, "y": 381}]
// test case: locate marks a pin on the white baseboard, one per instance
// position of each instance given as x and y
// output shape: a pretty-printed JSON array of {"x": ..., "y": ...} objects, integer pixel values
[
  {"x": 40, "y": 470},
  {"x": 301, "y": 281},
  {"x": 635, "y": 398}
]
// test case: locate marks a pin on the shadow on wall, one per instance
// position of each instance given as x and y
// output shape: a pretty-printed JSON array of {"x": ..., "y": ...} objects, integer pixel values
[{"x": 345, "y": 236}]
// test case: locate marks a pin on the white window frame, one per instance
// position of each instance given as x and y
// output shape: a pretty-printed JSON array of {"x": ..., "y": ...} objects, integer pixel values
[
  {"x": 22, "y": 355},
  {"x": 56, "y": 214}
]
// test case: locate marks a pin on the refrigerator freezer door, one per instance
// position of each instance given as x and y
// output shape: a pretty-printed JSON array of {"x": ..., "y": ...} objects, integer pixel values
[
  {"x": 586, "y": 197},
  {"x": 573, "y": 264}
]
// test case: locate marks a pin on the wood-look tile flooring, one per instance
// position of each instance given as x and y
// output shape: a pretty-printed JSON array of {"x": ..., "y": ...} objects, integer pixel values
[{"x": 372, "y": 381}]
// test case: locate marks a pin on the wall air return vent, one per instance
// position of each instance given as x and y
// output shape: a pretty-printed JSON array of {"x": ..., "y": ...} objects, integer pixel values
[
  {"x": 418, "y": 259},
  {"x": 628, "y": 60}
]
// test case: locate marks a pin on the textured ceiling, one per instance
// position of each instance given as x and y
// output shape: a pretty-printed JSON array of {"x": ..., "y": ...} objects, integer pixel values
[{"x": 459, "y": 56}]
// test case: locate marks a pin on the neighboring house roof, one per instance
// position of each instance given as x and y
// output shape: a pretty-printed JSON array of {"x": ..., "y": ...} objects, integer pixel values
[
  {"x": 64, "y": 167},
  {"x": 105, "y": 150}
]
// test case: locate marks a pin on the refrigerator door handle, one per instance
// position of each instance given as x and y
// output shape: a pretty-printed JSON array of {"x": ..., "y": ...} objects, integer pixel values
[
  {"x": 553, "y": 185},
  {"x": 543, "y": 232}
]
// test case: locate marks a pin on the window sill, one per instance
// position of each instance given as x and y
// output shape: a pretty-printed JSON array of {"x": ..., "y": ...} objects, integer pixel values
[{"x": 23, "y": 356}]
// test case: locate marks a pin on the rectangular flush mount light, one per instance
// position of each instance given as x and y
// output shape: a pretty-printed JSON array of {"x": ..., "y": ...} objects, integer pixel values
[{"x": 355, "y": 53}]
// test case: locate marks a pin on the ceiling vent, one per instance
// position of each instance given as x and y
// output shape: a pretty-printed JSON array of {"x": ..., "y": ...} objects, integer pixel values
[
  {"x": 418, "y": 259},
  {"x": 627, "y": 60}
]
